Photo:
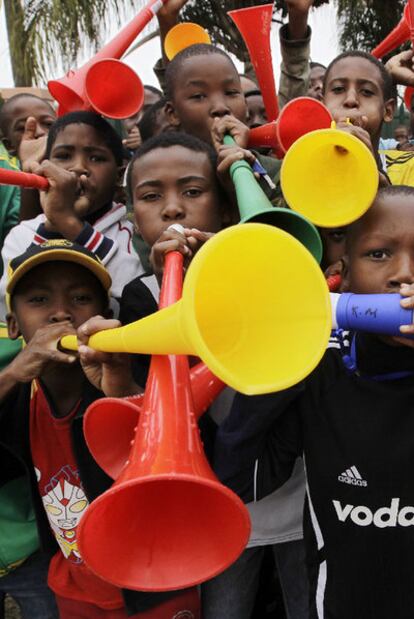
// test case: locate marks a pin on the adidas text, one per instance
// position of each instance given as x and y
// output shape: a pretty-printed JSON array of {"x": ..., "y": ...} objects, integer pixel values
[
  {"x": 362, "y": 516},
  {"x": 353, "y": 477},
  {"x": 353, "y": 482}
]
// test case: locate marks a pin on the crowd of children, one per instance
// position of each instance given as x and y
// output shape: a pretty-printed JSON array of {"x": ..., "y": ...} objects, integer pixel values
[{"x": 324, "y": 467}]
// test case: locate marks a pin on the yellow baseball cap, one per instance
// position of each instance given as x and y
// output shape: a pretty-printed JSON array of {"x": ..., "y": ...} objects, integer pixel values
[{"x": 56, "y": 250}]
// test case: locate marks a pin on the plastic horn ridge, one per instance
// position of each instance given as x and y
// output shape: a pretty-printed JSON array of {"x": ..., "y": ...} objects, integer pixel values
[
  {"x": 101, "y": 83},
  {"x": 109, "y": 424},
  {"x": 298, "y": 117},
  {"x": 255, "y": 206},
  {"x": 254, "y": 24},
  {"x": 167, "y": 502},
  {"x": 255, "y": 338},
  {"x": 350, "y": 177},
  {"x": 23, "y": 179}
]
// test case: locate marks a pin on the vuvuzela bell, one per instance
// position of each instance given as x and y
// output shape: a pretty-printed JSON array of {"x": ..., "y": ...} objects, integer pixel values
[{"x": 241, "y": 312}]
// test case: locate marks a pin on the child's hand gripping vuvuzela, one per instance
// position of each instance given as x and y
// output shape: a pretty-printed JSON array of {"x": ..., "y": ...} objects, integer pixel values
[
  {"x": 406, "y": 291},
  {"x": 41, "y": 352},
  {"x": 65, "y": 201},
  {"x": 176, "y": 238},
  {"x": 357, "y": 126},
  {"x": 109, "y": 372}
]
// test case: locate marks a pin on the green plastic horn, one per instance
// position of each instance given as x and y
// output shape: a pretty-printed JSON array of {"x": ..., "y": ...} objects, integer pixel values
[{"x": 255, "y": 207}]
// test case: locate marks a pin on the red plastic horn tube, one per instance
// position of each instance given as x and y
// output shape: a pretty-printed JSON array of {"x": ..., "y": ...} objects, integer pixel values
[
  {"x": 334, "y": 282},
  {"x": 23, "y": 179},
  {"x": 396, "y": 37}
]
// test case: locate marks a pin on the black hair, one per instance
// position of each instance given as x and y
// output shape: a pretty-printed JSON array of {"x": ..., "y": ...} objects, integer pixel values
[
  {"x": 167, "y": 140},
  {"x": 396, "y": 190},
  {"x": 155, "y": 91},
  {"x": 108, "y": 134},
  {"x": 383, "y": 192},
  {"x": 314, "y": 65},
  {"x": 4, "y": 109},
  {"x": 388, "y": 89},
  {"x": 174, "y": 67},
  {"x": 148, "y": 122}
]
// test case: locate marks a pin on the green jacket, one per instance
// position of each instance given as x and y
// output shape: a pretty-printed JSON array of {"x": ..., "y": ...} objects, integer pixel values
[
  {"x": 8, "y": 348},
  {"x": 9, "y": 200}
]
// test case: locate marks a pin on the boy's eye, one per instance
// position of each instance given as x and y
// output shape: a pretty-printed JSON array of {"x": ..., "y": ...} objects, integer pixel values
[
  {"x": 82, "y": 299},
  {"x": 193, "y": 192},
  {"x": 97, "y": 158},
  {"x": 37, "y": 299},
  {"x": 61, "y": 155},
  {"x": 198, "y": 96},
  {"x": 232, "y": 92},
  {"x": 367, "y": 92},
  {"x": 378, "y": 254},
  {"x": 337, "y": 90},
  {"x": 150, "y": 197}
]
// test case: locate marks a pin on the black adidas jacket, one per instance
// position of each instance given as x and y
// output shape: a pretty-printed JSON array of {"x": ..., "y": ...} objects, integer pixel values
[{"x": 357, "y": 438}]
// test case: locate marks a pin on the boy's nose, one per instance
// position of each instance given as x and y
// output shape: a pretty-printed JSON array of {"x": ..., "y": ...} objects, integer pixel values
[
  {"x": 255, "y": 120},
  {"x": 79, "y": 167},
  {"x": 351, "y": 99},
  {"x": 403, "y": 272},
  {"x": 173, "y": 211},
  {"x": 219, "y": 107},
  {"x": 60, "y": 313},
  {"x": 40, "y": 132},
  {"x": 318, "y": 87}
]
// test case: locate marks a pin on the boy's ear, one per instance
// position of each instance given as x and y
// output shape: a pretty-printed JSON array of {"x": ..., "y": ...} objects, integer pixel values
[
  {"x": 389, "y": 110},
  {"x": 12, "y": 326},
  {"x": 171, "y": 114}
]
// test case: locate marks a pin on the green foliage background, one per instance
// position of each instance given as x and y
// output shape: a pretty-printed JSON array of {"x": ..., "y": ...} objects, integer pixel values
[{"x": 42, "y": 31}]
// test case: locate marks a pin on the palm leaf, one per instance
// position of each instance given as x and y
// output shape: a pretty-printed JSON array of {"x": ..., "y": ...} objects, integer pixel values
[{"x": 44, "y": 34}]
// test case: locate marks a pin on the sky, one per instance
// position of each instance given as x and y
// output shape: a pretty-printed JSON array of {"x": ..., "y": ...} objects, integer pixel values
[{"x": 324, "y": 47}]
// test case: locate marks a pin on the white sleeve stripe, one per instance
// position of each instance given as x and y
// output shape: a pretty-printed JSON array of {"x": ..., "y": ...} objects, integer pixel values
[
  {"x": 315, "y": 523},
  {"x": 320, "y": 590},
  {"x": 321, "y": 586},
  {"x": 256, "y": 466}
]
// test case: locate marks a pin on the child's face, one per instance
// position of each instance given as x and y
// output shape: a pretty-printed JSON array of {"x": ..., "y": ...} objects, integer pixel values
[
  {"x": 257, "y": 111},
  {"x": 380, "y": 254},
  {"x": 78, "y": 148},
  {"x": 174, "y": 185},
  {"x": 149, "y": 99},
  {"x": 207, "y": 87},
  {"x": 316, "y": 83},
  {"x": 401, "y": 134},
  {"x": 54, "y": 292},
  {"x": 333, "y": 240},
  {"x": 354, "y": 89},
  {"x": 19, "y": 112}
]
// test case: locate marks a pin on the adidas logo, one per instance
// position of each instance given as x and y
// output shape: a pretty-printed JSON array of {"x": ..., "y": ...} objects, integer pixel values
[{"x": 352, "y": 476}]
